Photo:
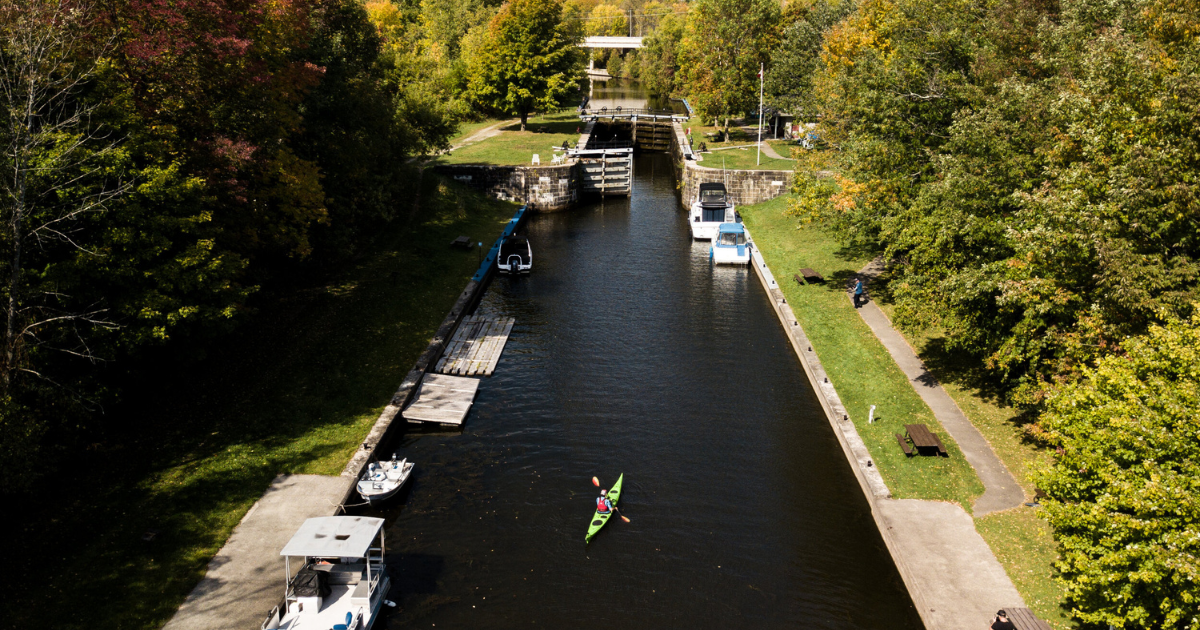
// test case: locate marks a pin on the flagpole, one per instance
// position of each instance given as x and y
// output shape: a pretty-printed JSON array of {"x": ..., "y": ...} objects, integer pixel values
[{"x": 758, "y": 156}]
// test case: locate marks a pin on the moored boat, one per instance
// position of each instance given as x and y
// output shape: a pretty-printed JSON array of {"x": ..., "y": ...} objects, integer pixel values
[
  {"x": 600, "y": 519},
  {"x": 381, "y": 481},
  {"x": 711, "y": 208},
  {"x": 342, "y": 582},
  {"x": 731, "y": 246},
  {"x": 516, "y": 255}
]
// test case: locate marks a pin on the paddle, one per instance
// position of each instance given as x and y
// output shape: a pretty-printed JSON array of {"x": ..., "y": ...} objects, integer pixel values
[{"x": 596, "y": 482}]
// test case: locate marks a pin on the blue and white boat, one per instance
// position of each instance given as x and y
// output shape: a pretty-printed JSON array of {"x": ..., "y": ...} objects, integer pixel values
[{"x": 731, "y": 245}]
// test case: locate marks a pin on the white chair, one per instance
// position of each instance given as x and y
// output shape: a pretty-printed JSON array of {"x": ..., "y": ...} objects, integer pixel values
[{"x": 537, "y": 160}]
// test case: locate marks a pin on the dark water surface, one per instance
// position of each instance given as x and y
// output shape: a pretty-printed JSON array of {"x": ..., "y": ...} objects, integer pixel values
[{"x": 631, "y": 354}]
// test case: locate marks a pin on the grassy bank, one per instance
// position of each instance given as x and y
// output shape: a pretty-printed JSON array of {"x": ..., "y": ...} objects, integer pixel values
[
  {"x": 865, "y": 374},
  {"x": 295, "y": 390},
  {"x": 745, "y": 159},
  {"x": 858, "y": 365},
  {"x": 515, "y": 147}
]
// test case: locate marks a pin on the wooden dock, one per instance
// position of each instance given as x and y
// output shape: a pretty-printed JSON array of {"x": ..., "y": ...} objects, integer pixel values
[
  {"x": 442, "y": 399},
  {"x": 476, "y": 346}
]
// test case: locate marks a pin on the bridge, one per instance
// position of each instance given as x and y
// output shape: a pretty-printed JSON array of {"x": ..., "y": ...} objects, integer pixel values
[{"x": 612, "y": 42}]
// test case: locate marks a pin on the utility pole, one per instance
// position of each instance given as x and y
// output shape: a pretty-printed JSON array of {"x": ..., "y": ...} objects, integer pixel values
[{"x": 758, "y": 157}]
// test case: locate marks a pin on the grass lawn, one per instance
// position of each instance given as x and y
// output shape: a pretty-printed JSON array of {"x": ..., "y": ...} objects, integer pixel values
[
  {"x": 857, "y": 363},
  {"x": 294, "y": 390},
  {"x": 468, "y": 128},
  {"x": 744, "y": 159},
  {"x": 516, "y": 147}
]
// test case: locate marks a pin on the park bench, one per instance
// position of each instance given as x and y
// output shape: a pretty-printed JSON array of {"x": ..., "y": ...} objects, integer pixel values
[{"x": 904, "y": 445}]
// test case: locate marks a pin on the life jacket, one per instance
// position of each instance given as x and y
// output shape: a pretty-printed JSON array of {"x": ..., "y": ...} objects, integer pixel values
[{"x": 602, "y": 505}]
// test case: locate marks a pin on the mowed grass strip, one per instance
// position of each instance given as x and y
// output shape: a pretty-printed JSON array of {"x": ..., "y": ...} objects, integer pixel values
[
  {"x": 513, "y": 147},
  {"x": 857, "y": 363},
  {"x": 294, "y": 391},
  {"x": 745, "y": 159}
]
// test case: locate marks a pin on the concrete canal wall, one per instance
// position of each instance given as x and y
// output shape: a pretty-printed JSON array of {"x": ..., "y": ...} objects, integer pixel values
[{"x": 548, "y": 188}]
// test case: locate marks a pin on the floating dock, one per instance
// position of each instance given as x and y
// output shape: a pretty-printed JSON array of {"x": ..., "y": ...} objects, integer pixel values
[
  {"x": 442, "y": 399},
  {"x": 476, "y": 346}
]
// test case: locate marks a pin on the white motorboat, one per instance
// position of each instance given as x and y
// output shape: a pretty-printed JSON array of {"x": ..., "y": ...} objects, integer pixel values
[
  {"x": 381, "y": 481},
  {"x": 342, "y": 582},
  {"x": 711, "y": 208},
  {"x": 516, "y": 256},
  {"x": 731, "y": 246}
]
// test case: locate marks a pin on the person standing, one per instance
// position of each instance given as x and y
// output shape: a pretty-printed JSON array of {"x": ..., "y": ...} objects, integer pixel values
[{"x": 858, "y": 292}]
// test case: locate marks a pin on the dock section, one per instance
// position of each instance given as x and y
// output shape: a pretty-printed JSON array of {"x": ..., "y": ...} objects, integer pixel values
[
  {"x": 476, "y": 347},
  {"x": 442, "y": 399}
]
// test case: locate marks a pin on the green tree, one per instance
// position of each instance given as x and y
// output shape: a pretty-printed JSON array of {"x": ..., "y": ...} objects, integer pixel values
[
  {"x": 530, "y": 59},
  {"x": 660, "y": 56},
  {"x": 607, "y": 20},
  {"x": 795, "y": 60},
  {"x": 1122, "y": 489},
  {"x": 723, "y": 45}
]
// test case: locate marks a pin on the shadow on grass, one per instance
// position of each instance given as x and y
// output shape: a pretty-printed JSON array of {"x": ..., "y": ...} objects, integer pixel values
[
  {"x": 547, "y": 126},
  {"x": 294, "y": 390}
]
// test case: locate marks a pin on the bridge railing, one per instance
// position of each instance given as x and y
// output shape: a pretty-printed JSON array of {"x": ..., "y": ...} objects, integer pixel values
[{"x": 628, "y": 112}]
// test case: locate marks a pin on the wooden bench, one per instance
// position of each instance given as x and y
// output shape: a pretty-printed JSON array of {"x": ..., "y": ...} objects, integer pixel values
[
  {"x": 811, "y": 275},
  {"x": 904, "y": 445},
  {"x": 462, "y": 242}
]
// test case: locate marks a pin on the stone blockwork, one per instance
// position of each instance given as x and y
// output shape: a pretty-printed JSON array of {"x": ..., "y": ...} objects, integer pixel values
[
  {"x": 546, "y": 188},
  {"x": 745, "y": 187}
]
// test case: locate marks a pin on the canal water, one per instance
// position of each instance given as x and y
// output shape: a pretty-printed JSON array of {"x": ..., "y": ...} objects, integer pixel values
[{"x": 631, "y": 354}]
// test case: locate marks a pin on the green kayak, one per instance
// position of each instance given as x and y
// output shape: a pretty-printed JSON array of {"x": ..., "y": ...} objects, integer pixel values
[{"x": 600, "y": 519}]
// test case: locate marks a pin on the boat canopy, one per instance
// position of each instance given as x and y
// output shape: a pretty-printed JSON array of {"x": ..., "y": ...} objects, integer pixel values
[
  {"x": 712, "y": 194},
  {"x": 334, "y": 537},
  {"x": 731, "y": 228}
]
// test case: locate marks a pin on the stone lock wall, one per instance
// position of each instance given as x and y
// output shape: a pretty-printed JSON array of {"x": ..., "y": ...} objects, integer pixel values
[
  {"x": 547, "y": 188},
  {"x": 745, "y": 187}
]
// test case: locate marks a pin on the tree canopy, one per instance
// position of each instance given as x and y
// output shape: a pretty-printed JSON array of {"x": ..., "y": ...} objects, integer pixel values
[
  {"x": 529, "y": 59},
  {"x": 722, "y": 47},
  {"x": 1122, "y": 493}
]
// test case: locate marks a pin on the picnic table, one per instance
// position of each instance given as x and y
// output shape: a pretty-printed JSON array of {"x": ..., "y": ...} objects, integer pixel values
[
  {"x": 809, "y": 275},
  {"x": 924, "y": 441},
  {"x": 462, "y": 242}
]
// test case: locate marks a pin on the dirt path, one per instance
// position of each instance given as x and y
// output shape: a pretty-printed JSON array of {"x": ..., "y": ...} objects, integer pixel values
[{"x": 490, "y": 131}]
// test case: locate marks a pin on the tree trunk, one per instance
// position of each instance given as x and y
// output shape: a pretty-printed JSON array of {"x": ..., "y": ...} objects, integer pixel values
[
  {"x": 726, "y": 130},
  {"x": 524, "y": 118}
]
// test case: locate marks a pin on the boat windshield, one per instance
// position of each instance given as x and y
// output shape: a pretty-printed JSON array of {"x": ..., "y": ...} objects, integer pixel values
[
  {"x": 512, "y": 246},
  {"x": 708, "y": 197},
  {"x": 731, "y": 239}
]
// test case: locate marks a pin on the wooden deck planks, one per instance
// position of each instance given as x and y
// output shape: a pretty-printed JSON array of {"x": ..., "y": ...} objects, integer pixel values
[
  {"x": 442, "y": 399},
  {"x": 476, "y": 347}
]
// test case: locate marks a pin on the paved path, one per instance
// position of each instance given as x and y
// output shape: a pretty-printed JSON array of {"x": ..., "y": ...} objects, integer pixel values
[
  {"x": 483, "y": 134},
  {"x": 1001, "y": 490},
  {"x": 245, "y": 579},
  {"x": 953, "y": 577},
  {"x": 769, "y": 151}
]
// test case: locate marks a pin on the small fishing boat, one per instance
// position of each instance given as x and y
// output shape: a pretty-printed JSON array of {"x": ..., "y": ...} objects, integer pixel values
[
  {"x": 381, "y": 481},
  {"x": 599, "y": 520},
  {"x": 342, "y": 581},
  {"x": 711, "y": 208},
  {"x": 732, "y": 245},
  {"x": 516, "y": 256}
]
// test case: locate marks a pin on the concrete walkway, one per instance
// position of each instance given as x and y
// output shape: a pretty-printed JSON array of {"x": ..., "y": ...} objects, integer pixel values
[
  {"x": 244, "y": 580},
  {"x": 1001, "y": 490},
  {"x": 953, "y": 577}
]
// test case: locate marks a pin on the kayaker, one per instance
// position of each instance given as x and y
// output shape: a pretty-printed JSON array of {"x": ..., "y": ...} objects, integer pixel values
[{"x": 603, "y": 505}]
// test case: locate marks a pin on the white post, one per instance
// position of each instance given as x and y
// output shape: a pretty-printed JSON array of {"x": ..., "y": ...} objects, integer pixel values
[
  {"x": 871, "y": 416},
  {"x": 758, "y": 157}
]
